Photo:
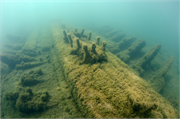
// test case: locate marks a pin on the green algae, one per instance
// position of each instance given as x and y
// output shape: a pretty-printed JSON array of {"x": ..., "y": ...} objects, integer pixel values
[
  {"x": 99, "y": 89},
  {"x": 46, "y": 49},
  {"x": 122, "y": 45},
  {"x": 15, "y": 47},
  {"x": 89, "y": 36},
  {"x": 59, "y": 97},
  {"x": 103, "y": 89},
  {"x": 126, "y": 55},
  {"x": 12, "y": 60},
  {"x": 146, "y": 59},
  {"x": 80, "y": 34},
  {"x": 30, "y": 44},
  {"x": 26, "y": 101},
  {"x": 157, "y": 81},
  {"x": 28, "y": 65}
]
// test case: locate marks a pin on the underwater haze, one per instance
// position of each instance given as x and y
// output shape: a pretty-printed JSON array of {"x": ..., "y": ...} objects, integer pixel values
[
  {"x": 155, "y": 21},
  {"x": 29, "y": 57}
]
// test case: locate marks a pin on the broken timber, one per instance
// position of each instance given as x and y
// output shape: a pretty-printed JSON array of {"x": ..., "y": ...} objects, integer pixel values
[{"x": 107, "y": 88}]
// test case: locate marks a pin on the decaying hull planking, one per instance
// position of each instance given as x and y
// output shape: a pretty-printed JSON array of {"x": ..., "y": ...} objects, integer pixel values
[{"x": 104, "y": 86}]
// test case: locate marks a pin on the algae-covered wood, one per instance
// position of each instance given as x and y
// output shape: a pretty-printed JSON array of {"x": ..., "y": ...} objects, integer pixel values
[
  {"x": 107, "y": 89},
  {"x": 30, "y": 44}
]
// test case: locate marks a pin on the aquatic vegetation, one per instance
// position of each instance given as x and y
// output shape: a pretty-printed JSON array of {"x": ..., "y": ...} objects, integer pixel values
[
  {"x": 14, "y": 46},
  {"x": 46, "y": 49},
  {"x": 126, "y": 42},
  {"x": 12, "y": 60},
  {"x": 104, "y": 45},
  {"x": 70, "y": 39},
  {"x": 44, "y": 97},
  {"x": 4, "y": 69},
  {"x": 31, "y": 102},
  {"x": 109, "y": 88},
  {"x": 49, "y": 60},
  {"x": 157, "y": 81},
  {"x": 11, "y": 95},
  {"x": 93, "y": 48},
  {"x": 39, "y": 71},
  {"x": 47, "y": 56},
  {"x": 89, "y": 36},
  {"x": 26, "y": 101},
  {"x": 122, "y": 45},
  {"x": 140, "y": 64},
  {"x": 31, "y": 53},
  {"x": 76, "y": 51},
  {"x": 77, "y": 34},
  {"x": 28, "y": 65},
  {"x": 31, "y": 78},
  {"x": 97, "y": 40},
  {"x": 80, "y": 34},
  {"x": 134, "y": 49},
  {"x": 174, "y": 102},
  {"x": 11, "y": 52},
  {"x": 89, "y": 55},
  {"x": 65, "y": 37},
  {"x": 30, "y": 44},
  {"x": 83, "y": 79}
]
